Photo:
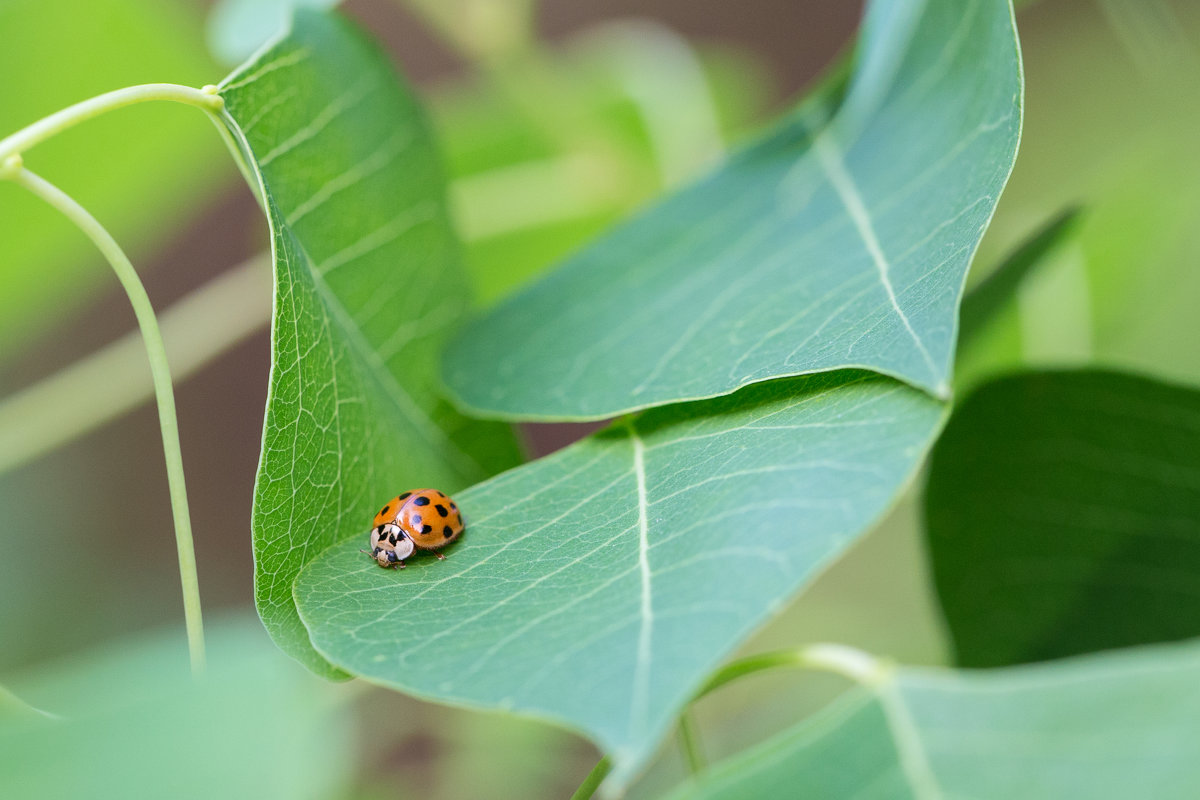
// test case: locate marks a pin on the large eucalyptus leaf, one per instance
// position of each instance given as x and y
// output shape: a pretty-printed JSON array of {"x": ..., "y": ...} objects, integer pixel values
[
  {"x": 826, "y": 244},
  {"x": 597, "y": 587},
  {"x": 367, "y": 281},
  {"x": 1063, "y": 514},
  {"x": 1116, "y": 726},
  {"x": 130, "y": 721}
]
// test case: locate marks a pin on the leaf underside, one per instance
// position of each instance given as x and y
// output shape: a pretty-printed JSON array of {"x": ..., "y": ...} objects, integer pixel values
[
  {"x": 368, "y": 282},
  {"x": 819, "y": 247}
]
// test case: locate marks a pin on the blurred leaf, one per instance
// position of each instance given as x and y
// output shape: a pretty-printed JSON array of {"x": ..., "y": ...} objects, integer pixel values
[
  {"x": 598, "y": 586},
  {"x": 1116, "y": 726},
  {"x": 128, "y": 168},
  {"x": 134, "y": 723},
  {"x": 1005, "y": 310},
  {"x": 1118, "y": 137},
  {"x": 14, "y": 708},
  {"x": 983, "y": 302},
  {"x": 1063, "y": 516},
  {"x": 576, "y": 138},
  {"x": 367, "y": 283},
  {"x": 237, "y": 28},
  {"x": 883, "y": 207}
]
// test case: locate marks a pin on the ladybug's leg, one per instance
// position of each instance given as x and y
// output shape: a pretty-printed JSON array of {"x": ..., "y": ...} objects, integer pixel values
[{"x": 440, "y": 556}]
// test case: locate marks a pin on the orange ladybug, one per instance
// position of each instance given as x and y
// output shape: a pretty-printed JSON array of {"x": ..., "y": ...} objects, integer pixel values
[{"x": 423, "y": 518}]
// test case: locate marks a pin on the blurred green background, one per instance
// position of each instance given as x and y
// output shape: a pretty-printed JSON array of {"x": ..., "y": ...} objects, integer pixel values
[{"x": 552, "y": 132}]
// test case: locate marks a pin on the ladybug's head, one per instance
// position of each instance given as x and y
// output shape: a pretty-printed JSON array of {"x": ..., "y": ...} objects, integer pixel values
[{"x": 390, "y": 544}]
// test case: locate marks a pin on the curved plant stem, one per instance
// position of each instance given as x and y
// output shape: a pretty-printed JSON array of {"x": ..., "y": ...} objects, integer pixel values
[
  {"x": 592, "y": 781},
  {"x": 846, "y": 661},
  {"x": 689, "y": 743},
  {"x": 152, "y": 337},
  {"x": 21, "y": 141}
]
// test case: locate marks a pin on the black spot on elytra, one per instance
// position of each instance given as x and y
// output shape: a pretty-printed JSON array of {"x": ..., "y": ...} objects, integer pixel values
[
  {"x": 416, "y": 520},
  {"x": 426, "y": 529},
  {"x": 421, "y": 501},
  {"x": 439, "y": 494},
  {"x": 447, "y": 531},
  {"x": 385, "y": 510},
  {"x": 404, "y": 496},
  {"x": 454, "y": 506},
  {"x": 441, "y": 510}
]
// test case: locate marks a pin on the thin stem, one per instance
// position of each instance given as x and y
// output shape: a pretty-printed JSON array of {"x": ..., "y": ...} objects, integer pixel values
[
  {"x": 156, "y": 351},
  {"x": 689, "y": 743},
  {"x": 198, "y": 329},
  {"x": 593, "y": 780},
  {"x": 21, "y": 141},
  {"x": 848, "y": 661}
]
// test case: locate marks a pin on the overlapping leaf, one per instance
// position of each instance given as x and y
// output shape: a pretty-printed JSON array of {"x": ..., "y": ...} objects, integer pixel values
[
  {"x": 1063, "y": 514},
  {"x": 819, "y": 247},
  {"x": 598, "y": 586},
  {"x": 367, "y": 282},
  {"x": 1117, "y": 726}
]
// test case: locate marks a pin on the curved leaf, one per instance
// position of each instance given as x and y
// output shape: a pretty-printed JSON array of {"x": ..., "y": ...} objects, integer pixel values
[
  {"x": 368, "y": 281},
  {"x": 819, "y": 247},
  {"x": 1063, "y": 516},
  {"x": 598, "y": 586},
  {"x": 1117, "y": 726}
]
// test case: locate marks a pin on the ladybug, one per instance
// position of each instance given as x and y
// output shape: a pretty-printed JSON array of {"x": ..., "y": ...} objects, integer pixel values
[{"x": 423, "y": 519}]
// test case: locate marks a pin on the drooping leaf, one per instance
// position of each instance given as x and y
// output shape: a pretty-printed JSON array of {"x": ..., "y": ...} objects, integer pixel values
[
  {"x": 598, "y": 586},
  {"x": 130, "y": 721},
  {"x": 826, "y": 244},
  {"x": 1063, "y": 516},
  {"x": 143, "y": 171},
  {"x": 368, "y": 281},
  {"x": 1115, "y": 726}
]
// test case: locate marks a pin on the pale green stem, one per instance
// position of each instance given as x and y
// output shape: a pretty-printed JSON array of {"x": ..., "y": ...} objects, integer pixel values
[
  {"x": 593, "y": 780},
  {"x": 689, "y": 743},
  {"x": 850, "y": 662},
  {"x": 21, "y": 141},
  {"x": 198, "y": 329},
  {"x": 156, "y": 351}
]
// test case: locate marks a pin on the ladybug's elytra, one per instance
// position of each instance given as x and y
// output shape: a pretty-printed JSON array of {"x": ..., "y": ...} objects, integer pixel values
[{"x": 424, "y": 519}]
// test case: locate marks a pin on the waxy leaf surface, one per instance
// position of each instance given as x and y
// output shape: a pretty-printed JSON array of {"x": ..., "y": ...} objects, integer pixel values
[
  {"x": 597, "y": 587},
  {"x": 826, "y": 244},
  {"x": 368, "y": 281}
]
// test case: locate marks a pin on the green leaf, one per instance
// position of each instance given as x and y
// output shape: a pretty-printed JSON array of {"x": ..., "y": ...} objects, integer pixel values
[
  {"x": 368, "y": 281},
  {"x": 598, "y": 586},
  {"x": 1063, "y": 516},
  {"x": 1115, "y": 726},
  {"x": 131, "y": 721},
  {"x": 826, "y": 244},
  {"x": 984, "y": 302},
  {"x": 143, "y": 171}
]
